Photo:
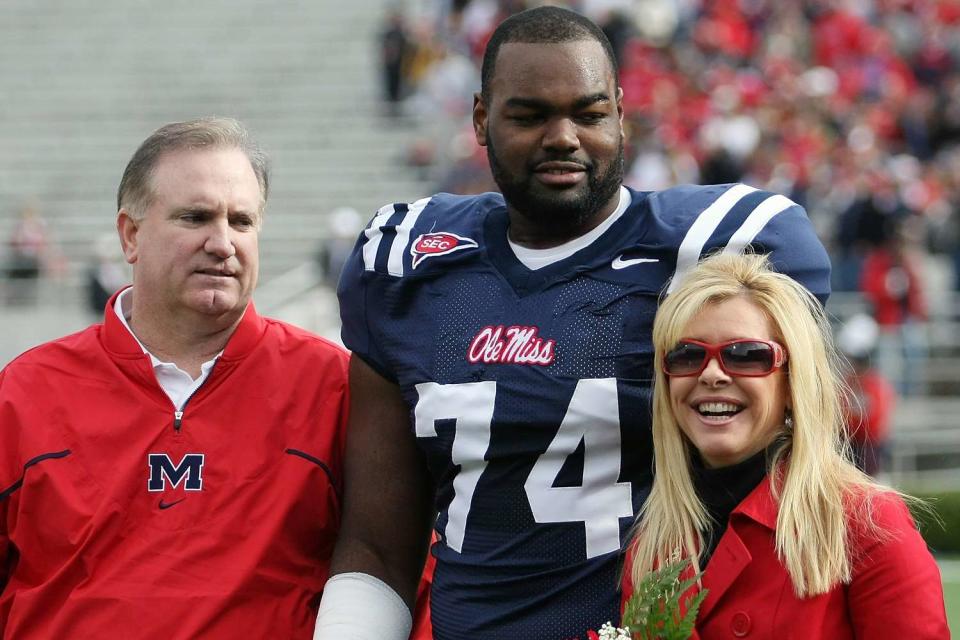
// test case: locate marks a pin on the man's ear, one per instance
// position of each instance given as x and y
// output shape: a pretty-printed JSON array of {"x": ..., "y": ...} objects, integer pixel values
[
  {"x": 127, "y": 228},
  {"x": 620, "y": 108},
  {"x": 480, "y": 119}
]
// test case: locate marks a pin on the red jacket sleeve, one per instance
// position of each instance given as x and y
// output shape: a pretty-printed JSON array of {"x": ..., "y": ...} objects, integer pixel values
[
  {"x": 5, "y": 479},
  {"x": 896, "y": 591},
  {"x": 4, "y": 554}
]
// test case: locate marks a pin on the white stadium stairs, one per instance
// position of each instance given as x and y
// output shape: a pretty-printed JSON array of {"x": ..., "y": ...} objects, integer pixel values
[{"x": 83, "y": 82}]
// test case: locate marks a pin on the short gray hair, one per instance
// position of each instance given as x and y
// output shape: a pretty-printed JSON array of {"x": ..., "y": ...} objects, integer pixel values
[{"x": 136, "y": 193}]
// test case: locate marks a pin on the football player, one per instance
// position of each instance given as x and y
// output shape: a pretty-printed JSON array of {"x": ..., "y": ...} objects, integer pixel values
[{"x": 502, "y": 360}]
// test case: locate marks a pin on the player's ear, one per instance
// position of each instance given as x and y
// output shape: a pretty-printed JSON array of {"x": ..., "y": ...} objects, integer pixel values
[
  {"x": 127, "y": 228},
  {"x": 480, "y": 119}
]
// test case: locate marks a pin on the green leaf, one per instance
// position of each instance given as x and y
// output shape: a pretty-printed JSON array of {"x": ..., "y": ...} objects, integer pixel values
[{"x": 653, "y": 611}]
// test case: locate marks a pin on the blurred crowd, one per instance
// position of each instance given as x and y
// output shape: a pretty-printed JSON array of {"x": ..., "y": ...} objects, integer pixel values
[
  {"x": 32, "y": 255},
  {"x": 27, "y": 256},
  {"x": 850, "y": 107}
]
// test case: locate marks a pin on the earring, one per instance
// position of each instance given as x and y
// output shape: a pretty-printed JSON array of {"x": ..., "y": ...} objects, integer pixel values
[{"x": 788, "y": 420}]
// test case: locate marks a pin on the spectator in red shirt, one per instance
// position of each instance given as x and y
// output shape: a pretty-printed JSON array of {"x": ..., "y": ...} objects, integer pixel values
[
  {"x": 869, "y": 411},
  {"x": 892, "y": 282}
]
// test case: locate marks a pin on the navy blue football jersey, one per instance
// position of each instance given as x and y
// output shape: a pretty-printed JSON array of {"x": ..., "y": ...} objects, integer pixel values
[{"x": 529, "y": 390}]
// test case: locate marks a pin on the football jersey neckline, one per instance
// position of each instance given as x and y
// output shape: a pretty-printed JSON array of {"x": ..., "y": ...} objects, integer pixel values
[{"x": 524, "y": 280}]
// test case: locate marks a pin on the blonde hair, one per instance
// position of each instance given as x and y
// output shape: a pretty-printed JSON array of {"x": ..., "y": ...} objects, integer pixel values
[{"x": 810, "y": 472}]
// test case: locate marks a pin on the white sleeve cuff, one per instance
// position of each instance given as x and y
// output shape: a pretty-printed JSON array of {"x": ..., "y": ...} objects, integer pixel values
[{"x": 361, "y": 607}]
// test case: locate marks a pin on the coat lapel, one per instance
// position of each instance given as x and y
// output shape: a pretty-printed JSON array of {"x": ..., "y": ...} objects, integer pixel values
[
  {"x": 727, "y": 562},
  {"x": 731, "y": 556}
]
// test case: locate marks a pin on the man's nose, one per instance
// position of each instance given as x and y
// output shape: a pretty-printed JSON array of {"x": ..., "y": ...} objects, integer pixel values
[
  {"x": 561, "y": 134},
  {"x": 220, "y": 240}
]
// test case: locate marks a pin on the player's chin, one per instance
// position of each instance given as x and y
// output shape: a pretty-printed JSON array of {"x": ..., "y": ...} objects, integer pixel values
[
  {"x": 569, "y": 203},
  {"x": 560, "y": 194}
]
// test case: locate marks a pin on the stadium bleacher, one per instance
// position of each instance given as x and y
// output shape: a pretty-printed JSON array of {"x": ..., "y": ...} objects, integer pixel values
[{"x": 84, "y": 82}]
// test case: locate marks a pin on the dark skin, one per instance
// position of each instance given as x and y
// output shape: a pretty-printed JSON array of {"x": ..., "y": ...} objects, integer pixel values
[
  {"x": 554, "y": 122},
  {"x": 388, "y": 494},
  {"x": 555, "y": 117}
]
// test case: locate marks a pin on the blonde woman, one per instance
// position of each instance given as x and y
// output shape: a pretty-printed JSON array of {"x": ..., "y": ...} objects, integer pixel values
[{"x": 752, "y": 482}]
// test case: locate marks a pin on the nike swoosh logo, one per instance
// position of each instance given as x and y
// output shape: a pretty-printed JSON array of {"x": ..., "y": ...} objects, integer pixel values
[
  {"x": 167, "y": 505},
  {"x": 620, "y": 263}
]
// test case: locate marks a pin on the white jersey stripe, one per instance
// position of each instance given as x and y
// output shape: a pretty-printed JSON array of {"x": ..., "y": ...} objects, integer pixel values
[
  {"x": 756, "y": 221},
  {"x": 374, "y": 234},
  {"x": 395, "y": 261},
  {"x": 703, "y": 227}
]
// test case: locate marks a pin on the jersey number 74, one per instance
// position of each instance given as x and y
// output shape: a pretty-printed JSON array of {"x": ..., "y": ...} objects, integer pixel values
[{"x": 591, "y": 418}]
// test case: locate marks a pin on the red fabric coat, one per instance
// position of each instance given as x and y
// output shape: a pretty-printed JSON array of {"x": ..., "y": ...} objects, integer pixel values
[
  {"x": 896, "y": 590},
  {"x": 95, "y": 543}
]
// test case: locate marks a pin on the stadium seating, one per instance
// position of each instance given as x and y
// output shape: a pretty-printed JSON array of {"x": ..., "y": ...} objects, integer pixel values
[{"x": 85, "y": 82}]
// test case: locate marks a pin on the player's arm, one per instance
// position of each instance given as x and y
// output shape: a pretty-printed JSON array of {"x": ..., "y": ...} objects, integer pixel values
[{"x": 387, "y": 516}]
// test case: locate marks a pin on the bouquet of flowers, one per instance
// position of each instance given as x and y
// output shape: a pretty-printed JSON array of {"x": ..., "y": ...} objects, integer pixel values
[
  {"x": 653, "y": 612},
  {"x": 610, "y": 632}
]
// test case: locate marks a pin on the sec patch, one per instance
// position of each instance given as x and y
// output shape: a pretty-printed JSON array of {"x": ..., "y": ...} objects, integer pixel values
[{"x": 429, "y": 245}]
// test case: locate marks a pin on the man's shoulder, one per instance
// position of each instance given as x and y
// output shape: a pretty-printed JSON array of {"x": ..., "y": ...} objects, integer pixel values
[
  {"x": 706, "y": 192},
  {"x": 298, "y": 340},
  {"x": 53, "y": 368},
  {"x": 685, "y": 203},
  {"x": 406, "y": 239},
  {"x": 56, "y": 354},
  {"x": 698, "y": 220},
  {"x": 283, "y": 331},
  {"x": 448, "y": 209}
]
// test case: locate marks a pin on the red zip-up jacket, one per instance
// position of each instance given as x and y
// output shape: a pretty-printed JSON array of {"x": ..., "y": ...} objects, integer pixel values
[{"x": 120, "y": 518}]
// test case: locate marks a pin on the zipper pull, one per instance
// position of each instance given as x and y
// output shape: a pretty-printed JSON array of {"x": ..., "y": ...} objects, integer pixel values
[{"x": 177, "y": 420}]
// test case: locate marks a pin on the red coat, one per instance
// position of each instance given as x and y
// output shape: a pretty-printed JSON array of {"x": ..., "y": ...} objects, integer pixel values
[{"x": 896, "y": 590}]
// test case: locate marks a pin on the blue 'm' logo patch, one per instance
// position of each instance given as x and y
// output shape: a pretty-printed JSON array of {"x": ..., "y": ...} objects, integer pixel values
[{"x": 189, "y": 471}]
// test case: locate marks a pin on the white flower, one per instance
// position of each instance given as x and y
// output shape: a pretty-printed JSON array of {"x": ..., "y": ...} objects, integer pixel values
[{"x": 609, "y": 632}]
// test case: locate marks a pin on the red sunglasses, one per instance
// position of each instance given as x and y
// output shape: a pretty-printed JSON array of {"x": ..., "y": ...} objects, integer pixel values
[{"x": 743, "y": 357}]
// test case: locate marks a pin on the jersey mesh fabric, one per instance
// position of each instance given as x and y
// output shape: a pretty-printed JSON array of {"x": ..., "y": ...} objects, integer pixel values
[{"x": 502, "y": 437}]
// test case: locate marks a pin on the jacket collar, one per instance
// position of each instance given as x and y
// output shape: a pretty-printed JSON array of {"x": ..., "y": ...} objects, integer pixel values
[
  {"x": 119, "y": 341},
  {"x": 759, "y": 506}
]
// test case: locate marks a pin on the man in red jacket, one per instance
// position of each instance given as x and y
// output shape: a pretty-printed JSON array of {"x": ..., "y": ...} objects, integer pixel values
[{"x": 174, "y": 472}]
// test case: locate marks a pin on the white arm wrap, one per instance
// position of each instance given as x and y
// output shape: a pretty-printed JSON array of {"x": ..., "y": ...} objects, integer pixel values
[{"x": 361, "y": 607}]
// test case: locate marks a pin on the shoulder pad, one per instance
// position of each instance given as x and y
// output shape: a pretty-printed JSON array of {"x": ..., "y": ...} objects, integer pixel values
[{"x": 402, "y": 236}]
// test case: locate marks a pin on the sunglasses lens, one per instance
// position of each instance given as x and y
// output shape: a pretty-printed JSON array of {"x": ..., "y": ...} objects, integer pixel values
[
  {"x": 685, "y": 359},
  {"x": 748, "y": 358}
]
